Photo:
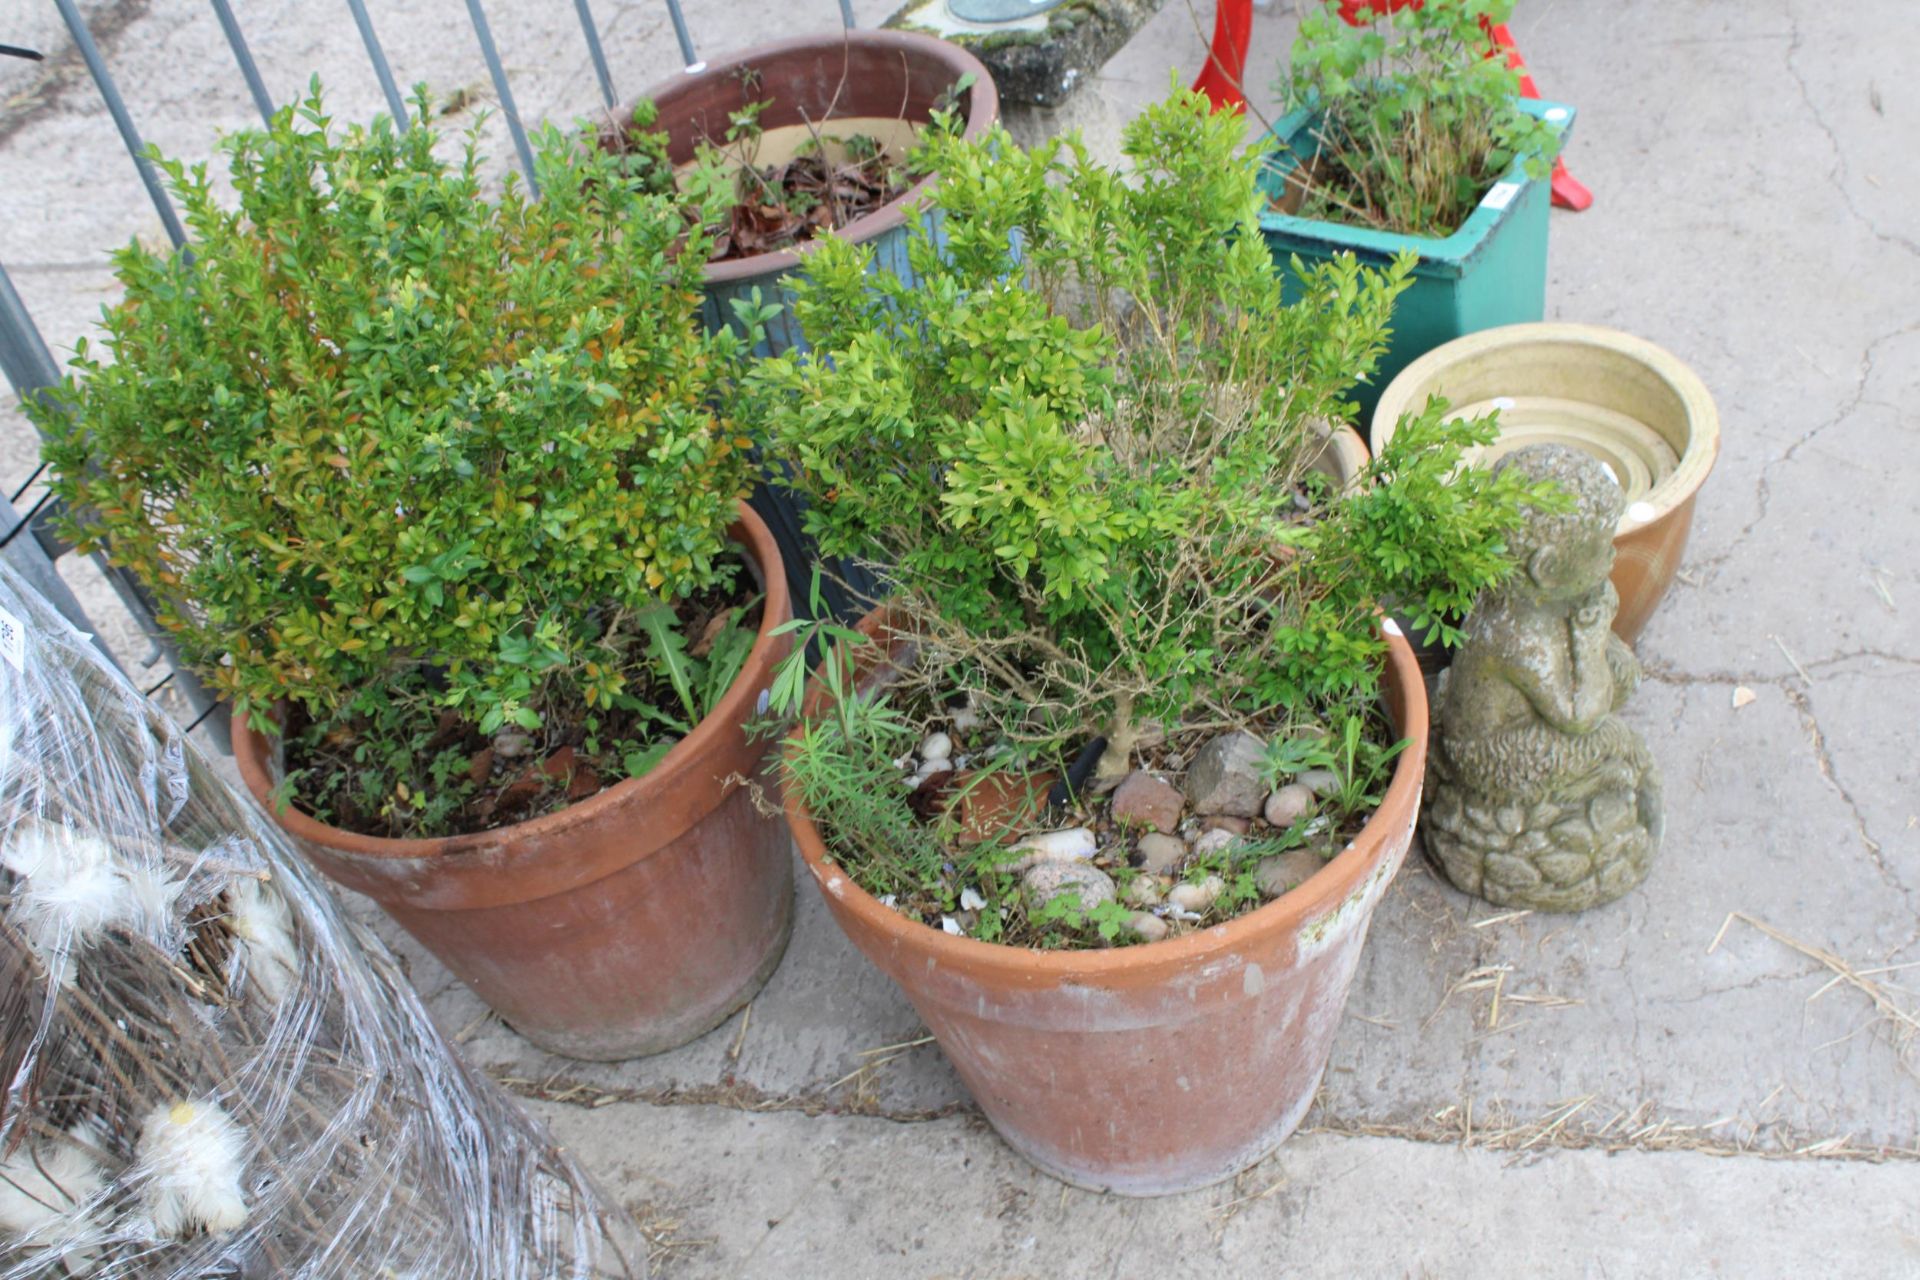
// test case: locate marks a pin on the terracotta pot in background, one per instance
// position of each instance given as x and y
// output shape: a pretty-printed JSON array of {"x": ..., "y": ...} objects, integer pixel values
[
  {"x": 879, "y": 77},
  {"x": 1157, "y": 1068},
  {"x": 626, "y": 924},
  {"x": 1344, "y": 456},
  {"x": 1620, "y": 398},
  {"x": 865, "y": 75}
]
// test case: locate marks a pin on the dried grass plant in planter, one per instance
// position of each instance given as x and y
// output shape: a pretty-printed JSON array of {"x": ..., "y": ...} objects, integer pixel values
[
  {"x": 433, "y": 488},
  {"x": 1083, "y": 439},
  {"x": 1402, "y": 135}
]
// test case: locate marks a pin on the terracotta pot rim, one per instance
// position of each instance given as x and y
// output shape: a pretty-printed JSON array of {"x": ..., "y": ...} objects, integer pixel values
[
  {"x": 755, "y": 541},
  {"x": 1350, "y": 453},
  {"x": 1317, "y": 897},
  {"x": 1703, "y": 418},
  {"x": 983, "y": 109}
]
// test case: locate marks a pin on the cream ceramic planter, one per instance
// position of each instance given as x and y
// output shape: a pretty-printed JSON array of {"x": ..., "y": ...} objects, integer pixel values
[{"x": 1621, "y": 398}]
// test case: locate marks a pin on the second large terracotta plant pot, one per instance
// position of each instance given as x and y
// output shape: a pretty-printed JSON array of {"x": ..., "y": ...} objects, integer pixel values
[
  {"x": 626, "y": 924},
  {"x": 1154, "y": 1069},
  {"x": 1620, "y": 398}
]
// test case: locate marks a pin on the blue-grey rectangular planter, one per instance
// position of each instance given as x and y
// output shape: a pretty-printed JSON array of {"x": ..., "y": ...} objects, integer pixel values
[
  {"x": 1490, "y": 272},
  {"x": 847, "y": 588}
]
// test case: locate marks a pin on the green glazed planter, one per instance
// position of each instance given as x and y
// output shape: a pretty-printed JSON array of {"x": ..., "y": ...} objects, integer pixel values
[{"x": 1490, "y": 272}]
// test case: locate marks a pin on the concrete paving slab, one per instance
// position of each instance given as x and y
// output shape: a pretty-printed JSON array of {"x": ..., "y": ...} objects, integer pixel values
[{"x": 869, "y": 1198}]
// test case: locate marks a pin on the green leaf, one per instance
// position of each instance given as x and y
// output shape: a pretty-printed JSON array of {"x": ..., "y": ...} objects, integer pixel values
[
  {"x": 724, "y": 662},
  {"x": 668, "y": 649},
  {"x": 637, "y": 763}
]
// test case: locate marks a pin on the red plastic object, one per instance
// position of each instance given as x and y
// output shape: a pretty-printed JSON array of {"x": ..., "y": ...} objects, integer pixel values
[
  {"x": 1227, "y": 58},
  {"x": 1568, "y": 191}
]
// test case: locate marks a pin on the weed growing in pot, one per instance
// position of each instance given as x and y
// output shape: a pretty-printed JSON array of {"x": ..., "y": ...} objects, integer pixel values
[
  {"x": 1415, "y": 121},
  {"x": 1354, "y": 760},
  {"x": 1080, "y": 442},
  {"x": 441, "y": 471}
]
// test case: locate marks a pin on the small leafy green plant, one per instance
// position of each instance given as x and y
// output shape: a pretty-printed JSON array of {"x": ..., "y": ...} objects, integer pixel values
[
  {"x": 1079, "y": 447},
  {"x": 430, "y": 466},
  {"x": 1415, "y": 121},
  {"x": 1360, "y": 763}
]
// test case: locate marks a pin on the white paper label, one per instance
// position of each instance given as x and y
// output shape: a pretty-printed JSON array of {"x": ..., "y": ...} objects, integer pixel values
[
  {"x": 1554, "y": 114},
  {"x": 1501, "y": 196},
  {"x": 13, "y": 640}
]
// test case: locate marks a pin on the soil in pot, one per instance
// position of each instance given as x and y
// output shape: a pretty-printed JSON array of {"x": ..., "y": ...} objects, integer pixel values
[
  {"x": 1162, "y": 854},
  {"x": 767, "y": 164},
  {"x": 400, "y": 770}
]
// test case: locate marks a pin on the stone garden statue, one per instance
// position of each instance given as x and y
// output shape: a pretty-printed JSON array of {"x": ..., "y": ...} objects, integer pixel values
[{"x": 1537, "y": 794}]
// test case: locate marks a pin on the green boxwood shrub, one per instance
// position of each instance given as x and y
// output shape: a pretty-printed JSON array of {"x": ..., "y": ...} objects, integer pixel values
[
  {"x": 386, "y": 447},
  {"x": 1079, "y": 446}
]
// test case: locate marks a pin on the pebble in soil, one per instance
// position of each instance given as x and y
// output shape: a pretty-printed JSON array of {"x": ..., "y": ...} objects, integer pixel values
[
  {"x": 1215, "y": 818},
  {"x": 1049, "y": 880}
]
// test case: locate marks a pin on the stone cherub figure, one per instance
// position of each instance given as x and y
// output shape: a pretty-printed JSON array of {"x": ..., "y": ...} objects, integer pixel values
[{"x": 1537, "y": 794}]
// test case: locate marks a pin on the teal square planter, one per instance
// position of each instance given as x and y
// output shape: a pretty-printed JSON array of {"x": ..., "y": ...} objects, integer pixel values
[{"x": 1490, "y": 272}]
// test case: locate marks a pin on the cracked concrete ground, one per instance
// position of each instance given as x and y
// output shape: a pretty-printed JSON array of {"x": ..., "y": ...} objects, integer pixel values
[{"x": 1673, "y": 1085}]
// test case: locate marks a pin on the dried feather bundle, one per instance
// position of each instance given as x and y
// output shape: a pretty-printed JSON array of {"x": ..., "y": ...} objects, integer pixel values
[{"x": 207, "y": 1070}]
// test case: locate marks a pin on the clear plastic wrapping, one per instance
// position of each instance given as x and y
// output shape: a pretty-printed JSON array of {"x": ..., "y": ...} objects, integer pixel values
[{"x": 210, "y": 1070}]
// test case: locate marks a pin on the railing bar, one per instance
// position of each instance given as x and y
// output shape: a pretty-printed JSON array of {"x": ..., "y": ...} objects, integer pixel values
[
  {"x": 504, "y": 89},
  {"x": 685, "y": 38},
  {"x": 846, "y": 14},
  {"x": 395, "y": 103},
  {"x": 25, "y": 358},
  {"x": 237, "y": 41},
  {"x": 28, "y": 482},
  {"x": 25, "y": 522},
  {"x": 110, "y": 93},
  {"x": 29, "y": 366},
  {"x": 598, "y": 54}
]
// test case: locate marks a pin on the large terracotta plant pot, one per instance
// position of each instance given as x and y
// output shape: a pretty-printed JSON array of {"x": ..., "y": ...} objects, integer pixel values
[
  {"x": 626, "y": 924},
  {"x": 1620, "y": 398},
  {"x": 870, "y": 81},
  {"x": 1151, "y": 1069}
]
